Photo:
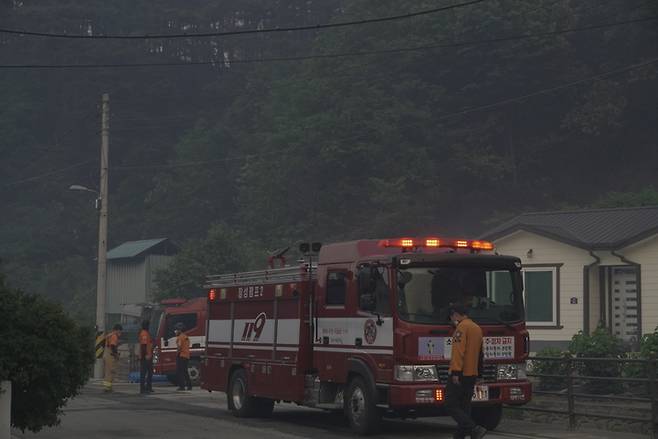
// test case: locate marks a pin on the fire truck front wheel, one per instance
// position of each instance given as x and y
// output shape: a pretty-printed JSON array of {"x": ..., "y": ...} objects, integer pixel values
[
  {"x": 241, "y": 404},
  {"x": 487, "y": 416},
  {"x": 360, "y": 407}
]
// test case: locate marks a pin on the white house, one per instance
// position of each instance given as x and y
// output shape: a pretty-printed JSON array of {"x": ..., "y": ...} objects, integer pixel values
[{"x": 585, "y": 268}]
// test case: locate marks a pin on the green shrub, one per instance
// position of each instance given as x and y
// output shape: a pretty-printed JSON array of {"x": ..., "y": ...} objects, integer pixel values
[
  {"x": 648, "y": 350},
  {"x": 45, "y": 355},
  {"x": 600, "y": 344},
  {"x": 551, "y": 367}
]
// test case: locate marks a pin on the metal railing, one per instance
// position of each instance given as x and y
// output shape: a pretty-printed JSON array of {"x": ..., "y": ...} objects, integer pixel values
[
  {"x": 295, "y": 273},
  {"x": 578, "y": 373}
]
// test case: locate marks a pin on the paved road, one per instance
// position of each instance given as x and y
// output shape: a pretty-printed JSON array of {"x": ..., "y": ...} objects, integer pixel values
[{"x": 168, "y": 414}]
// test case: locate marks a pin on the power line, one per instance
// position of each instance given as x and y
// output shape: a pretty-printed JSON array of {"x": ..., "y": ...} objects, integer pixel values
[
  {"x": 199, "y": 163},
  {"x": 283, "y": 152},
  {"x": 549, "y": 90},
  {"x": 247, "y": 31},
  {"x": 441, "y": 117},
  {"x": 48, "y": 174},
  {"x": 340, "y": 54}
]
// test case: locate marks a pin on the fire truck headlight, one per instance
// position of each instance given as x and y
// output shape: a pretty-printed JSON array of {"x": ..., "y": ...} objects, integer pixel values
[
  {"x": 511, "y": 372},
  {"x": 415, "y": 373},
  {"x": 156, "y": 354}
]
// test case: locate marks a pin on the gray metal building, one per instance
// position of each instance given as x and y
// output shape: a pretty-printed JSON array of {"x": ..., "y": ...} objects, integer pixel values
[{"x": 131, "y": 272}]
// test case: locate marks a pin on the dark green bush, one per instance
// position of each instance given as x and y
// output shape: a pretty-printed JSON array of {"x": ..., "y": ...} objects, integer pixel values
[
  {"x": 44, "y": 353},
  {"x": 648, "y": 351},
  {"x": 600, "y": 344},
  {"x": 550, "y": 367}
]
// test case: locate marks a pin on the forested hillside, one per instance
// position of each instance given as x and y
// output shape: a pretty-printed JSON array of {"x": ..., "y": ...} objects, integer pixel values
[{"x": 445, "y": 122}]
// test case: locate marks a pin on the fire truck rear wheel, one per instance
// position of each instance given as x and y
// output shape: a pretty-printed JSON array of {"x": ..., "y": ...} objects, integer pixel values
[
  {"x": 360, "y": 408},
  {"x": 487, "y": 416},
  {"x": 241, "y": 403}
]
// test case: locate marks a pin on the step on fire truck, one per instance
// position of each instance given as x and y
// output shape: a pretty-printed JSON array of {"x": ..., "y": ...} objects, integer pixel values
[
  {"x": 364, "y": 328},
  {"x": 164, "y": 318}
]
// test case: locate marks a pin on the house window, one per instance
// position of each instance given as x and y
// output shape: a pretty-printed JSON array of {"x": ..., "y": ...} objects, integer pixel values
[
  {"x": 540, "y": 294},
  {"x": 336, "y": 288}
]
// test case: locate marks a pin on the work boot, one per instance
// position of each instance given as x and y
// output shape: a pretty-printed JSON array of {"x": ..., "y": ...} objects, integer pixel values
[{"x": 478, "y": 432}]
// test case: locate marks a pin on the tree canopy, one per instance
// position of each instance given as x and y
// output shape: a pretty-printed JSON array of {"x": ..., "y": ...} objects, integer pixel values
[
  {"x": 429, "y": 124},
  {"x": 45, "y": 354}
]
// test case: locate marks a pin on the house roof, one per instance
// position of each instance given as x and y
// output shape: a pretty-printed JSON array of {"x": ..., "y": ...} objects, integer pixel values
[
  {"x": 591, "y": 229},
  {"x": 133, "y": 249}
]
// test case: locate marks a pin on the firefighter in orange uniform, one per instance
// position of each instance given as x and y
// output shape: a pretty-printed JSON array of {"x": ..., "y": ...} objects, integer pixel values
[
  {"x": 464, "y": 365},
  {"x": 145, "y": 359},
  {"x": 182, "y": 358},
  {"x": 111, "y": 356}
]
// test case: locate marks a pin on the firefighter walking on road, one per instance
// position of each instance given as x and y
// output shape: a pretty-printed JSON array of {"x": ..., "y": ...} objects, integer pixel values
[
  {"x": 464, "y": 366},
  {"x": 182, "y": 358},
  {"x": 145, "y": 359},
  {"x": 111, "y": 356}
]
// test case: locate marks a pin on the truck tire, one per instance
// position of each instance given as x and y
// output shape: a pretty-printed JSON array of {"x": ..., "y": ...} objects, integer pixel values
[
  {"x": 487, "y": 416},
  {"x": 241, "y": 404},
  {"x": 194, "y": 370},
  {"x": 360, "y": 408}
]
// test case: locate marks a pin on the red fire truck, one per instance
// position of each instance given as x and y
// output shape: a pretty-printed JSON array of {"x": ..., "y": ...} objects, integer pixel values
[
  {"x": 192, "y": 314},
  {"x": 364, "y": 328}
]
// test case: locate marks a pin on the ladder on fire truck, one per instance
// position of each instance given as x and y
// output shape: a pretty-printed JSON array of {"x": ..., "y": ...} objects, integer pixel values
[{"x": 298, "y": 273}]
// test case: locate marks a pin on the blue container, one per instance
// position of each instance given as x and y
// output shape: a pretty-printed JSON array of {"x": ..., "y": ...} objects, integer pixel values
[{"x": 133, "y": 377}]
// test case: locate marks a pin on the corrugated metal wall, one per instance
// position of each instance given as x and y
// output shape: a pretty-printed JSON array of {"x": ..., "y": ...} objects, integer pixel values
[
  {"x": 125, "y": 283},
  {"x": 132, "y": 281}
]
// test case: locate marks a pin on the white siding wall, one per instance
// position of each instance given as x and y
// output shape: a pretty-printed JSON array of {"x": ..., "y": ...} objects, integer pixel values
[
  {"x": 548, "y": 251},
  {"x": 646, "y": 254}
]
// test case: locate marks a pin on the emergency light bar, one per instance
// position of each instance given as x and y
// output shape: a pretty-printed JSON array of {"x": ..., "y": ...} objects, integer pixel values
[{"x": 432, "y": 242}]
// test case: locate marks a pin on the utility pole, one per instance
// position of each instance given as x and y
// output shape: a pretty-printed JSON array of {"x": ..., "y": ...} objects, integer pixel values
[{"x": 101, "y": 284}]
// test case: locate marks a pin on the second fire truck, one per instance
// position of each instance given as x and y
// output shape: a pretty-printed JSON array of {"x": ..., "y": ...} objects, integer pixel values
[{"x": 364, "y": 328}]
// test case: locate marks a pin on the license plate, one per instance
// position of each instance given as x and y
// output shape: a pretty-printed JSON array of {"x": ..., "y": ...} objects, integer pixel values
[{"x": 481, "y": 393}]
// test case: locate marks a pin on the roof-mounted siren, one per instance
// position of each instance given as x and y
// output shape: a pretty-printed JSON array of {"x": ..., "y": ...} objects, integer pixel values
[
  {"x": 310, "y": 247},
  {"x": 277, "y": 254},
  {"x": 411, "y": 244}
]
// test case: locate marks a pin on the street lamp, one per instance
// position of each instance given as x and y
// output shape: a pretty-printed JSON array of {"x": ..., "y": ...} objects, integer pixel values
[
  {"x": 78, "y": 187},
  {"x": 101, "y": 281}
]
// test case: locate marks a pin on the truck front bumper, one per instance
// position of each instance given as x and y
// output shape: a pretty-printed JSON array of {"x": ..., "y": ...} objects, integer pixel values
[{"x": 429, "y": 394}]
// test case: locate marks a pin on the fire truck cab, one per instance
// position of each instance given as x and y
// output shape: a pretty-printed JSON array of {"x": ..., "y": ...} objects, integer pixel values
[
  {"x": 364, "y": 328},
  {"x": 192, "y": 314}
]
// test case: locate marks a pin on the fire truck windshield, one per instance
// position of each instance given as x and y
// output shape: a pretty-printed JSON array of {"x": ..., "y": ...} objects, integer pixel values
[{"x": 491, "y": 296}]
